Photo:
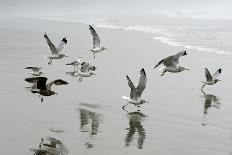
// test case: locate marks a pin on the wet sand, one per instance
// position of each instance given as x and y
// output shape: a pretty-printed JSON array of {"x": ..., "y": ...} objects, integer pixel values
[{"x": 175, "y": 121}]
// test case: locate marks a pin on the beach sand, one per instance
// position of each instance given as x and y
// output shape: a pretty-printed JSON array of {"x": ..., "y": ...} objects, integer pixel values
[{"x": 90, "y": 113}]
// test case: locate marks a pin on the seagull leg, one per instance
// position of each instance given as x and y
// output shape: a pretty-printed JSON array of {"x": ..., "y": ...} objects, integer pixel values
[
  {"x": 41, "y": 98},
  {"x": 94, "y": 55},
  {"x": 202, "y": 87},
  {"x": 164, "y": 71},
  {"x": 50, "y": 61},
  {"x": 123, "y": 107}
]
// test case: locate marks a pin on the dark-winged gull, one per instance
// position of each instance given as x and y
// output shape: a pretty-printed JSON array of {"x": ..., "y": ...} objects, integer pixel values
[
  {"x": 211, "y": 79},
  {"x": 96, "y": 42},
  {"x": 42, "y": 88},
  {"x": 136, "y": 92},
  {"x": 56, "y": 51},
  {"x": 171, "y": 63}
]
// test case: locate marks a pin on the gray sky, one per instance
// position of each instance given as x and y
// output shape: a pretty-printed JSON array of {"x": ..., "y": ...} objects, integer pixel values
[{"x": 17, "y": 7}]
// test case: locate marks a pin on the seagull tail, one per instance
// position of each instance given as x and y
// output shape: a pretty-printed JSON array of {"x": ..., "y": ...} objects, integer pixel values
[
  {"x": 125, "y": 98},
  {"x": 159, "y": 63}
]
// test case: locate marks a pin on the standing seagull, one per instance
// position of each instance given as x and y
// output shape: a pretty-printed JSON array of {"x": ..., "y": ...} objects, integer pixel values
[
  {"x": 96, "y": 42},
  {"x": 211, "y": 79},
  {"x": 136, "y": 92},
  {"x": 171, "y": 63},
  {"x": 56, "y": 51},
  {"x": 42, "y": 88}
]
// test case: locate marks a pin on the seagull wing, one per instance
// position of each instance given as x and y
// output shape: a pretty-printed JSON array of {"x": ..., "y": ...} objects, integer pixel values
[
  {"x": 56, "y": 82},
  {"x": 62, "y": 45},
  {"x": 142, "y": 82},
  {"x": 208, "y": 75},
  {"x": 50, "y": 44},
  {"x": 96, "y": 39},
  {"x": 132, "y": 87},
  {"x": 173, "y": 61},
  {"x": 217, "y": 73}
]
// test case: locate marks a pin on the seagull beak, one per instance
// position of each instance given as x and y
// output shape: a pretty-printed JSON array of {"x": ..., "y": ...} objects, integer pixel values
[{"x": 187, "y": 69}]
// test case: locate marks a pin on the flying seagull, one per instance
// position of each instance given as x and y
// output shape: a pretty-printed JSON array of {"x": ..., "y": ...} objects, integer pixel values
[
  {"x": 76, "y": 63},
  {"x": 211, "y": 79},
  {"x": 56, "y": 51},
  {"x": 171, "y": 63},
  {"x": 42, "y": 88},
  {"x": 36, "y": 71},
  {"x": 96, "y": 42},
  {"x": 136, "y": 92}
]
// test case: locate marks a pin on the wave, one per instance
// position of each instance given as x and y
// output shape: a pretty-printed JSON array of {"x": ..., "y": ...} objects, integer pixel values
[
  {"x": 172, "y": 42},
  {"x": 161, "y": 34}
]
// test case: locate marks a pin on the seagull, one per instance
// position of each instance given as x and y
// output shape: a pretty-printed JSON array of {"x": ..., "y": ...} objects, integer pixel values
[
  {"x": 36, "y": 71},
  {"x": 171, "y": 63},
  {"x": 42, "y": 88},
  {"x": 211, "y": 79},
  {"x": 96, "y": 42},
  {"x": 76, "y": 63},
  {"x": 56, "y": 51},
  {"x": 86, "y": 67},
  {"x": 136, "y": 92}
]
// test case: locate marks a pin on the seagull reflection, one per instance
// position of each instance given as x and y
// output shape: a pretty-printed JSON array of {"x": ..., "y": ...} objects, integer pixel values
[
  {"x": 135, "y": 126},
  {"x": 89, "y": 122},
  {"x": 50, "y": 146},
  {"x": 210, "y": 101}
]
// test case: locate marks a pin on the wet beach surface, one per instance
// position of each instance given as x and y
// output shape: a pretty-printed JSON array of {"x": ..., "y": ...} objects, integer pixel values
[{"x": 87, "y": 116}]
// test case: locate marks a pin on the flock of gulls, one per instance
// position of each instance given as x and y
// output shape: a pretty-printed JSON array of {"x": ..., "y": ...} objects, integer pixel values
[{"x": 85, "y": 69}]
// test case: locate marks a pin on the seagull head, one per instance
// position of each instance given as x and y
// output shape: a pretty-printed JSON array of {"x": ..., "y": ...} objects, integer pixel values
[
  {"x": 63, "y": 55},
  {"x": 180, "y": 68},
  {"x": 217, "y": 80},
  {"x": 103, "y": 48}
]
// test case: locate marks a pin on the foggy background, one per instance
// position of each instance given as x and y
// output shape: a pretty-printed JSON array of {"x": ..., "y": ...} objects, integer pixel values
[{"x": 202, "y": 8}]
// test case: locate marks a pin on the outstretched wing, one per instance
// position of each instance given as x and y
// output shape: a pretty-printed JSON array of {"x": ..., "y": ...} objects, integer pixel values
[
  {"x": 56, "y": 82},
  {"x": 50, "y": 44},
  {"x": 173, "y": 61},
  {"x": 96, "y": 39},
  {"x": 217, "y": 73},
  {"x": 41, "y": 81},
  {"x": 62, "y": 45},
  {"x": 142, "y": 82},
  {"x": 208, "y": 75},
  {"x": 132, "y": 87}
]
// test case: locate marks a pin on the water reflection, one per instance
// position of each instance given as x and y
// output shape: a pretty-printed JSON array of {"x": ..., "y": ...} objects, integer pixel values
[
  {"x": 210, "y": 101},
  {"x": 50, "y": 146},
  {"x": 135, "y": 126},
  {"x": 90, "y": 121}
]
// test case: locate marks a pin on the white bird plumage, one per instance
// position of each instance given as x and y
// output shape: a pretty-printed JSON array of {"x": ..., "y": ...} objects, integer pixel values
[
  {"x": 136, "y": 92},
  {"x": 96, "y": 42},
  {"x": 171, "y": 63},
  {"x": 211, "y": 79},
  {"x": 56, "y": 51}
]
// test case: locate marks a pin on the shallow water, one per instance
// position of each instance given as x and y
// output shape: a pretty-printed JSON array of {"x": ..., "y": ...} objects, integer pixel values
[{"x": 87, "y": 116}]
